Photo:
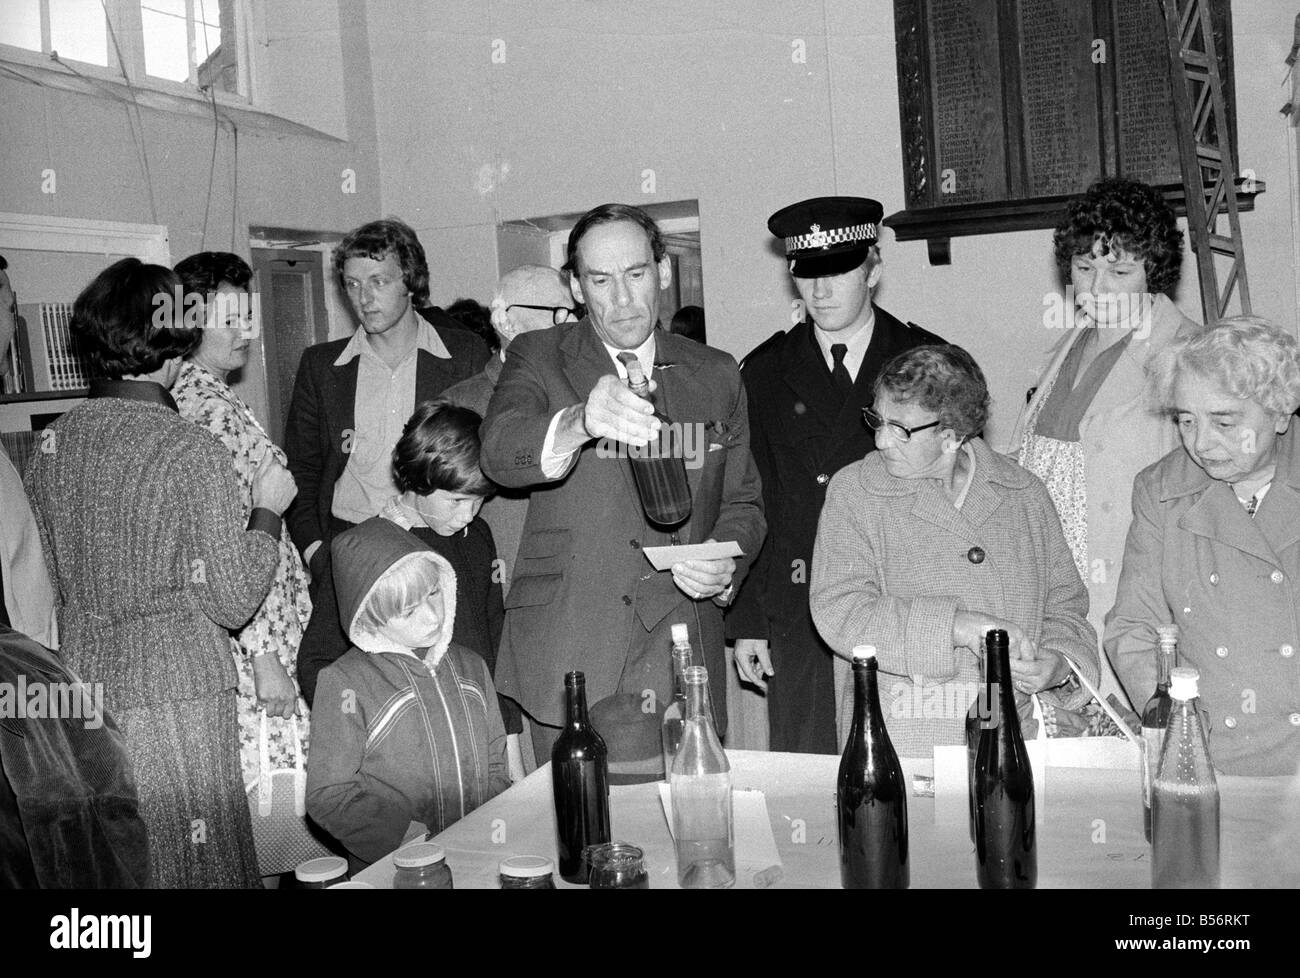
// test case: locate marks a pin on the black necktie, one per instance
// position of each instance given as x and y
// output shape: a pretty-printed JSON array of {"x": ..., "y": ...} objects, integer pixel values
[{"x": 840, "y": 373}]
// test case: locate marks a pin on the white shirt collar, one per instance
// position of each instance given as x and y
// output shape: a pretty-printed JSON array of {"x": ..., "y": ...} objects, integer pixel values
[
  {"x": 857, "y": 344},
  {"x": 426, "y": 339},
  {"x": 645, "y": 353}
]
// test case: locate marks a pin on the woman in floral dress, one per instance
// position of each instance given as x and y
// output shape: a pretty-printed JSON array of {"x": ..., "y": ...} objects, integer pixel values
[{"x": 266, "y": 649}]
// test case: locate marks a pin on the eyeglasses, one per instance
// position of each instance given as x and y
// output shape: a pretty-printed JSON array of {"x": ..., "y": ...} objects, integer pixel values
[
  {"x": 559, "y": 314},
  {"x": 903, "y": 433}
]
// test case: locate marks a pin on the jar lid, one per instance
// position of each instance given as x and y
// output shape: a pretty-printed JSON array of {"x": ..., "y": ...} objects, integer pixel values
[
  {"x": 320, "y": 870},
  {"x": 351, "y": 885},
  {"x": 526, "y": 867},
  {"x": 418, "y": 854}
]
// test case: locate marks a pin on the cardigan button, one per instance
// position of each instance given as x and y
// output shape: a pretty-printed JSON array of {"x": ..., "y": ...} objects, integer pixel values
[
  {"x": 975, "y": 555},
  {"x": 1221, "y": 652},
  {"x": 823, "y": 478},
  {"x": 1287, "y": 651},
  {"x": 1230, "y": 722}
]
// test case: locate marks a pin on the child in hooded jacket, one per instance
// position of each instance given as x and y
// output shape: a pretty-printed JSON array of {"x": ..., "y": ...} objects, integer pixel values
[{"x": 405, "y": 726}]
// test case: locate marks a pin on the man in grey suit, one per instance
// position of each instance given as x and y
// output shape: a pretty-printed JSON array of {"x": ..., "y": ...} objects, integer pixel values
[{"x": 583, "y": 594}]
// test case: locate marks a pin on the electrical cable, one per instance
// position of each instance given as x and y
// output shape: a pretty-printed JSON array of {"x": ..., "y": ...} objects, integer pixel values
[{"x": 141, "y": 143}]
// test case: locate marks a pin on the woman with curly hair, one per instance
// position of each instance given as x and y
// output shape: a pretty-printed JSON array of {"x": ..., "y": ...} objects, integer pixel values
[
  {"x": 1090, "y": 426},
  {"x": 1215, "y": 543}
]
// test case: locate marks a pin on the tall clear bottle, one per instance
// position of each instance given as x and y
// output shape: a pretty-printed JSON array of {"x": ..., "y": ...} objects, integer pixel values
[
  {"x": 1184, "y": 798},
  {"x": 701, "y": 790},
  {"x": 660, "y": 467},
  {"x": 580, "y": 780},
  {"x": 1155, "y": 716},
  {"x": 1006, "y": 840},
  {"x": 871, "y": 795},
  {"x": 675, "y": 714}
]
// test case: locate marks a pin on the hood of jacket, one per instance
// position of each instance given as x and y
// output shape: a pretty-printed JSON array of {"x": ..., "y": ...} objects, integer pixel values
[{"x": 363, "y": 557}]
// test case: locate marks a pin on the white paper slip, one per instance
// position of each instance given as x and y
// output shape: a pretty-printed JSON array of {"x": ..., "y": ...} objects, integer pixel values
[
  {"x": 662, "y": 558},
  {"x": 758, "y": 864}
]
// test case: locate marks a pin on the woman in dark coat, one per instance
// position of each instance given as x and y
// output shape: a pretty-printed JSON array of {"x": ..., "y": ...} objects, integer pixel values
[{"x": 142, "y": 526}]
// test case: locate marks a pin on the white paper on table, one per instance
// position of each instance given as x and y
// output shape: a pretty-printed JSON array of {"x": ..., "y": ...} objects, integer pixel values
[
  {"x": 755, "y": 844},
  {"x": 662, "y": 558}
]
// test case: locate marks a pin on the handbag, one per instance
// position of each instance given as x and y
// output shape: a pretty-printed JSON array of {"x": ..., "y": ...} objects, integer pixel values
[{"x": 278, "y": 805}]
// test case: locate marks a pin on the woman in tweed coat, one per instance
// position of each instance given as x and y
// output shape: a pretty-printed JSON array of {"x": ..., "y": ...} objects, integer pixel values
[
  {"x": 142, "y": 525},
  {"x": 934, "y": 539}
]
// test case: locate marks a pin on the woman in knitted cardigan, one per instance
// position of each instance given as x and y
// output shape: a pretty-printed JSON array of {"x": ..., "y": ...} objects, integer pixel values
[{"x": 142, "y": 525}]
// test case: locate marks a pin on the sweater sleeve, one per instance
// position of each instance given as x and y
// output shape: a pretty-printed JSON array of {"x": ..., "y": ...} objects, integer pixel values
[
  {"x": 229, "y": 568},
  {"x": 912, "y": 636},
  {"x": 366, "y": 819}
]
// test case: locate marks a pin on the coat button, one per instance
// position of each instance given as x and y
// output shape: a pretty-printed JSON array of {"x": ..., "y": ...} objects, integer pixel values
[
  {"x": 822, "y": 479},
  {"x": 975, "y": 555},
  {"x": 1214, "y": 578},
  {"x": 1230, "y": 722},
  {"x": 1221, "y": 652},
  {"x": 627, "y": 599},
  {"x": 1278, "y": 577},
  {"x": 1294, "y": 718},
  {"x": 1287, "y": 651},
  {"x": 634, "y": 544}
]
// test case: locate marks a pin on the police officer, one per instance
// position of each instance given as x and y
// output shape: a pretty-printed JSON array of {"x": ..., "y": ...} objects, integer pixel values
[{"x": 806, "y": 388}]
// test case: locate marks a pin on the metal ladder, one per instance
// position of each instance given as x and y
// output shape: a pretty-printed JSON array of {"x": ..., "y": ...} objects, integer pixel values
[{"x": 1205, "y": 155}]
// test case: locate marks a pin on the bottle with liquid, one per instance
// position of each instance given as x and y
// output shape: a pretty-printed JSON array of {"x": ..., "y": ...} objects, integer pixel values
[
  {"x": 660, "y": 467},
  {"x": 978, "y": 712},
  {"x": 1184, "y": 798},
  {"x": 1155, "y": 716},
  {"x": 580, "y": 780},
  {"x": 675, "y": 714},
  {"x": 1006, "y": 842},
  {"x": 701, "y": 791},
  {"x": 871, "y": 795}
]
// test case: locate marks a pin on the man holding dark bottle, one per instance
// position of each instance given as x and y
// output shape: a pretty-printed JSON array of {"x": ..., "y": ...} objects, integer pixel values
[
  {"x": 807, "y": 387},
  {"x": 583, "y": 595}
]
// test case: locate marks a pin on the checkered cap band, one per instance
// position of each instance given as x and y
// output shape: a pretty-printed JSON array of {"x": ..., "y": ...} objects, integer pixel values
[{"x": 817, "y": 238}]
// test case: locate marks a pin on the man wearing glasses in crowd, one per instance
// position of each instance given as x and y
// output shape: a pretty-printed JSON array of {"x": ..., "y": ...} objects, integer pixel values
[
  {"x": 807, "y": 388},
  {"x": 527, "y": 298}
]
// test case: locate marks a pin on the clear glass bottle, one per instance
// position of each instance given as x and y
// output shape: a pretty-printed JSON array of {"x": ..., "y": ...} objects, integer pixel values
[
  {"x": 871, "y": 795},
  {"x": 1184, "y": 798},
  {"x": 675, "y": 713},
  {"x": 660, "y": 467},
  {"x": 421, "y": 866},
  {"x": 1155, "y": 716},
  {"x": 701, "y": 791},
  {"x": 1006, "y": 836},
  {"x": 580, "y": 781}
]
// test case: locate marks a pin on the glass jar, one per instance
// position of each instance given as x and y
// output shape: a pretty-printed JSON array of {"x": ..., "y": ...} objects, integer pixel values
[
  {"x": 351, "y": 885},
  {"x": 617, "y": 866},
  {"x": 421, "y": 866},
  {"x": 527, "y": 873},
  {"x": 318, "y": 874}
]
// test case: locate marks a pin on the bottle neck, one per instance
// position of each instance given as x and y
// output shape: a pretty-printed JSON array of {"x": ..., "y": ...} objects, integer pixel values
[
  {"x": 1166, "y": 653},
  {"x": 576, "y": 704},
  {"x": 998, "y": 674},
  {"x": 681, "y": 662},
  {"x": 866, "y": 693},
  {"x": 698, "y": 705}
]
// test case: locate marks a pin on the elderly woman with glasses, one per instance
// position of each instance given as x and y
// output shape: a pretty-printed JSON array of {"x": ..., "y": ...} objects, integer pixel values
[
  {"x": 932, "y": 540},
  {"x": 1214, "y": 546}
]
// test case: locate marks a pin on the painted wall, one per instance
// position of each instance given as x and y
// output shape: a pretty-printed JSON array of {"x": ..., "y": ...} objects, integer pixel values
[
  {"x": 286, "y": 178},
  {"x": 505, "y": 109}
]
